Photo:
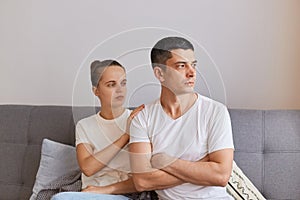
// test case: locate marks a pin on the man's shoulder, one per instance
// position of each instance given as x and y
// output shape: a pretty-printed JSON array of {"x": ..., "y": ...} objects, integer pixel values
[
  {"x": 209, "y": 102},
  {"x": 210, "y": 107},
  {"x": 149, "y": 111},
  {"x": 152, "y": 105}
]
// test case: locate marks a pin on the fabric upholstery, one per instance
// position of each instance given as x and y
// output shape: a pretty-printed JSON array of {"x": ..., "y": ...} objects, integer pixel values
[
  {"x": 267, "y": 146},
  {"x": 22, "y": 129},
  {"x": 268, "y": 150},
  {"x": 282, "y": 154}
]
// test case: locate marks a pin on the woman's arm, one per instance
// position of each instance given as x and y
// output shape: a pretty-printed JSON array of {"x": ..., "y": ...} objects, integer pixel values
[
  {"x": 90, "y": 162},
  {"x": 122, "y": 187}
]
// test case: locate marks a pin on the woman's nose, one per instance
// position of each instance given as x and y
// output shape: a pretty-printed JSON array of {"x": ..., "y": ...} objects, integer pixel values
[{"x": 119, "y": 88}]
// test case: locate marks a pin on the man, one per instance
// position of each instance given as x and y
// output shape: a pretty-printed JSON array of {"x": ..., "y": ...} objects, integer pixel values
[{"x": 181, "y": 144}]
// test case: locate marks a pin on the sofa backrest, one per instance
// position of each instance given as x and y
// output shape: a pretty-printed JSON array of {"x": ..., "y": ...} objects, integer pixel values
[
  {"x": 22, "y": 129},
  {"x": 267, "y": 149},
  {"x": 267, "y": 146}
]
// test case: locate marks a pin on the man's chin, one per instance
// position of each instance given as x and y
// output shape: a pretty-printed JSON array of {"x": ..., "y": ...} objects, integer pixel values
[{"x": 186, "y": 91}]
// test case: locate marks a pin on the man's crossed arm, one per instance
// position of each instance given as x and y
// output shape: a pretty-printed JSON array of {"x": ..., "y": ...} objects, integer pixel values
[
  {"x": 162, "y": 171},
  {"x": 145, "y": 177}
]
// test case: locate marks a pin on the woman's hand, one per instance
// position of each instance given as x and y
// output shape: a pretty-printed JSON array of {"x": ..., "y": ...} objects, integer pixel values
[
  {"x": 132, "y": 115},
  {"x": 122, "y": 187},
  {"x": 97, "y": 189}
]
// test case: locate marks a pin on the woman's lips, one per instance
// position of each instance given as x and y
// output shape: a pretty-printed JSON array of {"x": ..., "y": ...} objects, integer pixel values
[{"x": 120, "y": 97}]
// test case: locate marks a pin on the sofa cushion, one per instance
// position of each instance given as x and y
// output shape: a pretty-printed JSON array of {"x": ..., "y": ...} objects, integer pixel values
[
  {"x": 57, "y": 159},
  {"x": 22, "y": 128},
  {"x": 282, "y": 154},
  {"x": 248, "y": 136}
]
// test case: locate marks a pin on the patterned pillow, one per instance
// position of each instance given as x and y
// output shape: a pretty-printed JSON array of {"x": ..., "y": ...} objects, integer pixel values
[{"x": 240, "y": 187}]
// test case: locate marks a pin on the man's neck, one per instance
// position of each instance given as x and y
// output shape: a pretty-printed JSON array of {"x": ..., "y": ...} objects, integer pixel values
[{"x": 176, "y": 105}]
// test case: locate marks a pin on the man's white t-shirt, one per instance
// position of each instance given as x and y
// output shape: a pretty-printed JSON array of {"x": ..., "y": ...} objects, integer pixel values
[
  {"x": 203, "y": 129},
  {"x": 100, "y": 133}
]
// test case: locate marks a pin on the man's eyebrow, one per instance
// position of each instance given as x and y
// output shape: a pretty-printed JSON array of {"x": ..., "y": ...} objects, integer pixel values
[{"x": 183, "y": 62}]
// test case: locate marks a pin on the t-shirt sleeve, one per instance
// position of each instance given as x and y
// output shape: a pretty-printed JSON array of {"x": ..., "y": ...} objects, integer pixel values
[
  {"x": 138, "y": 128},
  {"x": 80, "y": 134},
  {"x": 220, "y": 131}
]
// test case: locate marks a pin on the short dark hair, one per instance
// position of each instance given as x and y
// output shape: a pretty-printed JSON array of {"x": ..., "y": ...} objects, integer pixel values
[
  {"x": 97, "y": 68},
  {"x": 161, "y": 51}
]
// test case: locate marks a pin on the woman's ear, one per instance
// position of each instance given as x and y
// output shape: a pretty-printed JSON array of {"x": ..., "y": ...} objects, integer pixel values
[
  {"x": 95, "y": 90},
  {"x": 159, "y": 74}
]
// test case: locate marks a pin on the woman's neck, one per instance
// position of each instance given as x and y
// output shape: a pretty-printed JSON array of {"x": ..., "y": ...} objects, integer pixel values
[{"x": 111, "y": 113}]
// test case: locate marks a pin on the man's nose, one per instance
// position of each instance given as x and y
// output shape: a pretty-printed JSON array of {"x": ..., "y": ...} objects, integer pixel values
[{"x": 191, "y": 71}]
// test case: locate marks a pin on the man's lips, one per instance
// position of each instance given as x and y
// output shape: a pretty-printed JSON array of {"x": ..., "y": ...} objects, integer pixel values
[{"x": 189, "y": 83}]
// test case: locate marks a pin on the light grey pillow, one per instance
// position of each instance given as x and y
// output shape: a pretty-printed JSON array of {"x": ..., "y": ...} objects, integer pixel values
[
  {"x": 240, "y": 187},
  {"x": 57, "y": 159}
]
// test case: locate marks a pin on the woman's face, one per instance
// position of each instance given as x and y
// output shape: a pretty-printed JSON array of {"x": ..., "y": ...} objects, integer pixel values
[{"x": 111, "y": 89}]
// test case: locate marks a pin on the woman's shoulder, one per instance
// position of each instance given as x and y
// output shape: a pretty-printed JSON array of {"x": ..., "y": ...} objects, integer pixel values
[{"x": 88, "y": 120}]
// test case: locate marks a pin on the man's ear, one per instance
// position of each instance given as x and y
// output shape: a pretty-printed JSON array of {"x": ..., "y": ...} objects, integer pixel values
[{"x": 159, "y": 73}]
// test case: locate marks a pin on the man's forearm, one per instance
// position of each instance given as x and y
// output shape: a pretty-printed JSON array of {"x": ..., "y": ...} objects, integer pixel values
[
  {"x": 155, "y": 180},
  {"x": 146, "y": 177},
  {"x": 213, "y": 172},
  {"x": 199, "y": 173}
]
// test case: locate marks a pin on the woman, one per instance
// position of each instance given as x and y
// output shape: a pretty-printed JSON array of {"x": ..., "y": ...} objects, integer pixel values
[{"x": 101, "y": 139}]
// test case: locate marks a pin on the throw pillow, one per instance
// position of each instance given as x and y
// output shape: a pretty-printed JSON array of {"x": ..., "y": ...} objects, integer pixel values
[
  {"x": 240, "y": 187},
  {"x": 57, "y": 159}
]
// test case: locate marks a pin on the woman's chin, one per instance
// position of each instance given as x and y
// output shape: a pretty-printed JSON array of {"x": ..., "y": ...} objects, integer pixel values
[{"x": 117, "y": 104}]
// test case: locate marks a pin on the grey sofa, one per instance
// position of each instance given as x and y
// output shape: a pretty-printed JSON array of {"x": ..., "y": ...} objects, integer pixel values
[{"x": 267, "y": 146}]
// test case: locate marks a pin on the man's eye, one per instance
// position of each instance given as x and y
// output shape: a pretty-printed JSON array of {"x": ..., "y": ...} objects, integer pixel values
[
  {"x": 111, "y": 85},
  {"x": 181, "y": 66},
  {"x": 123, "y": 83},
  {"x": 194, "y": 65}
]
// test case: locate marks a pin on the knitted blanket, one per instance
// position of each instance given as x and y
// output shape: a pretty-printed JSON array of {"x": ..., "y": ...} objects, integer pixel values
[
  {"x": 66, "y": 183},
  {"x": 72, "y": 182}
]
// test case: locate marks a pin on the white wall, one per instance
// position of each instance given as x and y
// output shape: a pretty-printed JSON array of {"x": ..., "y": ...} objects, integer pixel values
[{"x": 250, "y": 56}]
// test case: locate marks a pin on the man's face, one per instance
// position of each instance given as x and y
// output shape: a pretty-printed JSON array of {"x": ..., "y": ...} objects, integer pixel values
[{"x": 180, "y": 73}]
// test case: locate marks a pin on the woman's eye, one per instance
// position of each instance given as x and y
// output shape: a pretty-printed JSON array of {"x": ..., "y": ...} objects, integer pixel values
[{"x": 111, "y": 85}]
